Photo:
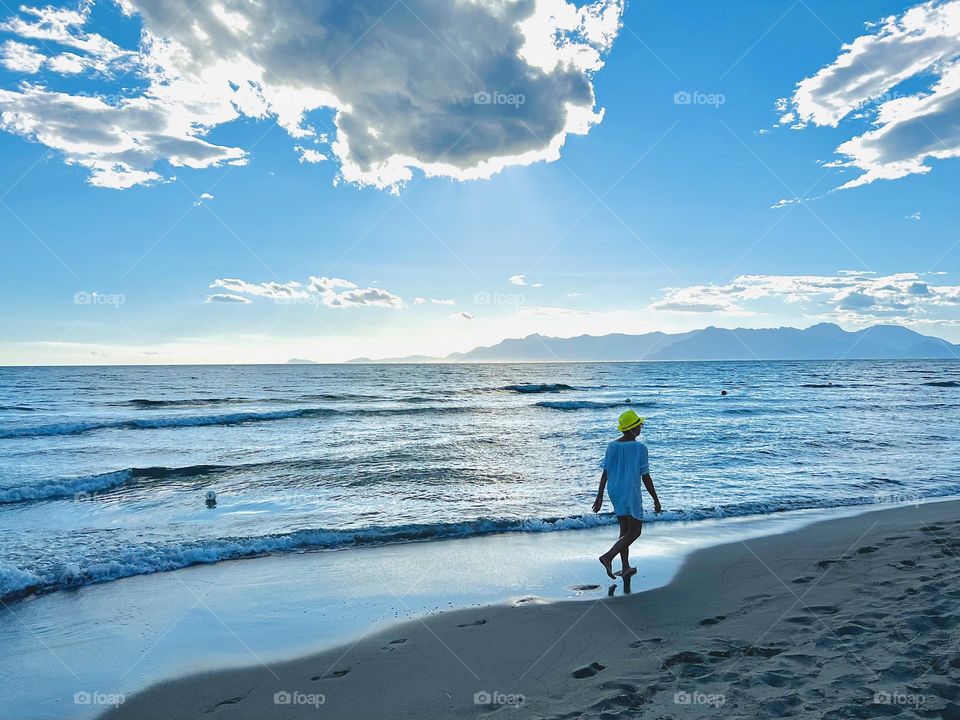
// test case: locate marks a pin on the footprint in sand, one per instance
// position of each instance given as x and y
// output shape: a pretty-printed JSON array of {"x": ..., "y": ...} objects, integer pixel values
[
  {"x": 867, "y": 549},
  {"x": 802, "y": 580},
  {"x": 481, "y": 621},
  {"x": 394, "y": 644},
  {"x": 754, "y": 601},
  {"x": 230, "y": 701},
  {"x": 331, "y": 675},
  {"x": 584, "y": 588},
  {"x": 588, "y": 670}
]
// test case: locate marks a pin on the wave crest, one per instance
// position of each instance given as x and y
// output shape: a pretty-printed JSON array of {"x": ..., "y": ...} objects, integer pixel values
[
  {"x": 539, "y": 388},
  {"x": 588, "y": 404},
  {"x": 83, "y": 426},
  {"x": 146, "y": 560}
]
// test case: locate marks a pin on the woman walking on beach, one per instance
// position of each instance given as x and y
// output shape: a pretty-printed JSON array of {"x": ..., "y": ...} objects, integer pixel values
[{"x": 626, "y": 462}]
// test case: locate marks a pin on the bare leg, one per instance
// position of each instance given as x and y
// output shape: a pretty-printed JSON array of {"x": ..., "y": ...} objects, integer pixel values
[
  {"x": 622, "y": 542},
  {"x": 635, "y": 527}
]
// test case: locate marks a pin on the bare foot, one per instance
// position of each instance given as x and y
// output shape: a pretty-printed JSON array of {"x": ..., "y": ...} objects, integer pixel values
[
  {"x": 608, "y": 566},
  {"x": 627, "y": 572}
]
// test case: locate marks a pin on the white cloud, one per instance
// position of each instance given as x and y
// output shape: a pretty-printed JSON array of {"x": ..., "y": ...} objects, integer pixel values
[
  {"x": 118, "y": 143},
  {"x": 18, "y": 57},
  {"x": 375, "y": 297},
  {"x": 553, "y": 312},
  {"x": 309, "y": 155},
  {"x": 914, "y": 216},
  {"x": 784, "y": 202},
  {"x": 282, "y": 292},
  {"x": 851, "y": 296},
  {"x": 227, "y": 298},
  {"x": 63, "y": 26},
  {"x": 331, "y": 292},
  {"x": 433, "y": 301},
  {"x": 68, "y": 63},
  {"x": 522, "y": 280},
  {"x": 922, "y": 44},
  {"x": 200, "y": 200},
  {"x": 457, "y": 89}
]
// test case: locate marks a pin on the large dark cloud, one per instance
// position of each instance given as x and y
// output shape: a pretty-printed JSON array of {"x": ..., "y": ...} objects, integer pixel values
[{"x": 457, "y": 88}]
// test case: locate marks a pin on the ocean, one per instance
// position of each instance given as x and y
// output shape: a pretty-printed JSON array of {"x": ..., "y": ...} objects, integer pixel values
[{"x": 104, "y": 470}]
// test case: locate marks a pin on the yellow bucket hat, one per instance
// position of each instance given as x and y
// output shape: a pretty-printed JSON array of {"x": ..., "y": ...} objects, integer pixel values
[{"x": 630, "y": 420}]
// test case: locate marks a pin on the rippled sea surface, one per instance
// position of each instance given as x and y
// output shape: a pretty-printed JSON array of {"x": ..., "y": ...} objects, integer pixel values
[{"x": 104, "y": 471}]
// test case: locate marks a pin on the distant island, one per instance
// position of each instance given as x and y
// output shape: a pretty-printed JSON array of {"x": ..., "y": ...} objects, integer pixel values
[
  {"x": 300, "y": 361},
  {"x": 824, "y": 341}
]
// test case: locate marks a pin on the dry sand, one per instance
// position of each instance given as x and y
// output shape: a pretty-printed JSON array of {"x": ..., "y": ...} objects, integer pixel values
[{"x": 852, "y": 617}]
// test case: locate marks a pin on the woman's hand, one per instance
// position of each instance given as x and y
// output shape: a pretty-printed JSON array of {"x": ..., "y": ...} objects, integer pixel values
[
  {"x": 598, "y": 503},
  {"x": 657, "y": 507}
]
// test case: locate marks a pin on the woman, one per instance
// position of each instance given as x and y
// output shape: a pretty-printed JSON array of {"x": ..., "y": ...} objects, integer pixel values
[{"x": 626, "y": 462}]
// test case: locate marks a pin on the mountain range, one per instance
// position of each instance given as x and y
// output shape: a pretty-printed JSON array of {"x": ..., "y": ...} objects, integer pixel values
[{"x": 825, "y": 341}]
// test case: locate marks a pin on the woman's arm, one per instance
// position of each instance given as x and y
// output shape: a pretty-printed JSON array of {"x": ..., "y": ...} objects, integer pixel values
[
  {"x": 648, "y": 484},
  {"x": 598, "y": 503}
]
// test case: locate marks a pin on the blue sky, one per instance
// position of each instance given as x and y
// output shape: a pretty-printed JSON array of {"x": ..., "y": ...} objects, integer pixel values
[{"x": 155, "y": 208}]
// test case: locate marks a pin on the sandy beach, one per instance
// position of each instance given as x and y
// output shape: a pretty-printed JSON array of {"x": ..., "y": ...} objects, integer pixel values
[{"x": 849, "y": 617}]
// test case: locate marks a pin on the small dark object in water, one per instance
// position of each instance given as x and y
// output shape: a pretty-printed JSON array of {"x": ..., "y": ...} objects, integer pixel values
[
  {"x": 723, "y": 392},
  {"x": 211, "y": 499}
]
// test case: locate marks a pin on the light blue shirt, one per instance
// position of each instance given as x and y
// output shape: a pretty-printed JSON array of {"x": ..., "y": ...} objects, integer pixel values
[{"x": 626, "y": 463}]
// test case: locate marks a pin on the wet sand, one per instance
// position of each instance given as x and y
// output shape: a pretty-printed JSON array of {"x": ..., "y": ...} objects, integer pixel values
[{"x": 849, "y": 617}]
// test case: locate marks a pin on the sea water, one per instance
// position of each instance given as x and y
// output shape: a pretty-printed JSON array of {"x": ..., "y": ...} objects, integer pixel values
[{"x": 104, "y": 470}]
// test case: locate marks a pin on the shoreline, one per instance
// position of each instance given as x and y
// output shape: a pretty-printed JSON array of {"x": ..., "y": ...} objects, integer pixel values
[
  {"x": 274, "y": 608},
  {"x": 736, "y": 603}
]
